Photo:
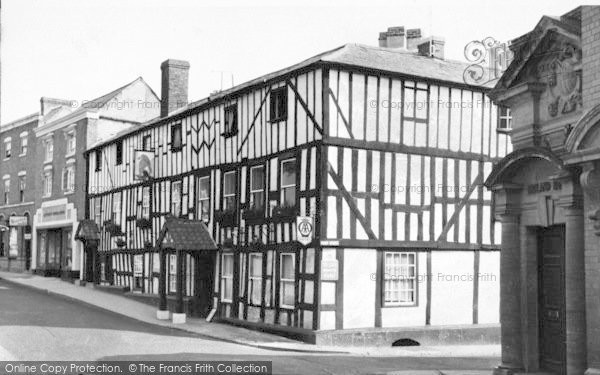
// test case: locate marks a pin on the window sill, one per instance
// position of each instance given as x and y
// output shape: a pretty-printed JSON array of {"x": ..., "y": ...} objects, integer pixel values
[
  {"x": 287, "y": 307},
  {"x": 47, "y": 161},
  {"x": 226, "y": 300},
  {"x": 229, "y": 134},
  {"x": 70, "y": 155},
  {"x": 411, "y": 304},
  {"x": 21, "y": 155},
  {"x": 69, "y": 192},
  {"x": 503, "y": 131},
  {"x": 279, "y": 119}
]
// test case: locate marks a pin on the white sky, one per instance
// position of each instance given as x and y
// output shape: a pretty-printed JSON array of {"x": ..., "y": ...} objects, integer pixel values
[{"x": 83, "y": 49}]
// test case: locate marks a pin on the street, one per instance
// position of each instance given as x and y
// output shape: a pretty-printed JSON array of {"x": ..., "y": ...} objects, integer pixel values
[{"x": 35, "y": 325}]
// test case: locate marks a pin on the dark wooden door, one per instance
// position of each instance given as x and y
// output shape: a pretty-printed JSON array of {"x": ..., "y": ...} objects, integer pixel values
[
  {"x": 204, "y": 285},
  {"x": 551, "y": 270}
]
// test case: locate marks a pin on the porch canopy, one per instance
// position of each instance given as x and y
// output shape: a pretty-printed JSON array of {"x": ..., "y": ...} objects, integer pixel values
[
  {"x": 87, "y": 231},
  {"x": 182, "y": 236}
]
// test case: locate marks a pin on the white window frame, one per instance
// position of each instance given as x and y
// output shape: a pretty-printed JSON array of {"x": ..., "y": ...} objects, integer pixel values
[
  {"x": 255, "y": 279},
  {"x": 225, "y": 277},
  {"x": 225, "y": 195},
  {"x": 48, "y": 150},
  {"x": 24, "y": 144},
  {"x": 290, "y": 186},
  {"x": 283, "y": 280},
  {"x": 507, "y": 118},
  {"x": 172, "y": 273},
  {"x": 203, "y": 200},
  {"x": 47, "y": 184},
  {"x": 7, "y": 148},
  {"x": 253, "y": 191},
  {"x": 71, "y": 142},
  {"x": 70, "y": 186},
  {"x": 146, "y": 202},
  {"x": 176, "y": 198},
  {"x": 394, "y": 275}
]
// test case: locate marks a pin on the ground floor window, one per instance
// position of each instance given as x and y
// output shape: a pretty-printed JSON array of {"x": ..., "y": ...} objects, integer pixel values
[
  {"x": 138, "y": 271},
  {"x": 172, "y": 273},
  {"x": 255, "y": 279},
  {"x": 400, "y": 278},
  {"x": 227, "y": 278},
  {"x": 287, "y": 281}
]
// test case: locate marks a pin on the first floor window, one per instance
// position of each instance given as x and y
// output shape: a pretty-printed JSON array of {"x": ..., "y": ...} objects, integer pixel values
[
  {"x": 48, "y": 150},
  {"x": 176, "y": 137},
  {"x": 288, "y": 183},
  {"x": 176, "y": 198},
  {"x": 278, "y": 104},
  {"x": 22, "y": 186},
  {"x": 287, "y": 285},
  {"x": 229, "y": 191},
  {"x": 6, "y": 191},
  {"x": 47, "y": 184},
  {"x": 255, "y": 279},
  {"x": 204, "y": 198},
  {"x": 227, "y": 277},
  {"x": 68, "y": 179},
  {"x": 119, "y": 153},
  {"x": 97, "y": 213},
  {"x": 71, "y": 142},
  {"x": 400, "y": 278},
  {"x": 504, "y": 118},
  {"x": 117, "y": 208},
  {"x": 98, "y": 157},
  {"x": 138, "y": 271},
  {"x": 257, "y": 187},
  {"x": 147, "y": 143},
  {"x": 230, "y": 120},
  {"x": 146, "y": 202}
]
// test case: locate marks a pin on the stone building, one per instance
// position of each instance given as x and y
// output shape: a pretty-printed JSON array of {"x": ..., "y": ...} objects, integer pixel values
[{"x": 547, "y": 195}]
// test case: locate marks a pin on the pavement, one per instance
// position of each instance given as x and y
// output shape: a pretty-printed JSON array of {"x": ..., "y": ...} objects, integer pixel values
[{"x": 60, "y": 317}]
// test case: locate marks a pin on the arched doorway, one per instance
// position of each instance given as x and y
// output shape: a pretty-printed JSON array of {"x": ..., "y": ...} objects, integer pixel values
[{"x": 540, "y": 204}]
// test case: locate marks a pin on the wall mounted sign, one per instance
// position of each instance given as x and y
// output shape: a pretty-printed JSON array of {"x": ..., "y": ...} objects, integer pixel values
[
  {"x": 542, "y": 187},
  {"x": 18, "y": 221},
  {"x": 304, "y": 229}
]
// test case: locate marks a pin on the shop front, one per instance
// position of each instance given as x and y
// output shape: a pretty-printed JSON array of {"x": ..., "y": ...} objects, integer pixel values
[
  {"x": 56, "y": 251},
  {"x": 15, "y": 243}
]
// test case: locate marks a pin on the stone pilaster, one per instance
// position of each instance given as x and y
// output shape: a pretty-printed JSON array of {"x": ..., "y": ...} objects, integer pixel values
[{"x": 507, "y": 197}]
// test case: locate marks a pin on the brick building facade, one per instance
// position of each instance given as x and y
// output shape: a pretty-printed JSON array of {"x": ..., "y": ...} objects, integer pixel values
[{"x": 547, "y": 198}]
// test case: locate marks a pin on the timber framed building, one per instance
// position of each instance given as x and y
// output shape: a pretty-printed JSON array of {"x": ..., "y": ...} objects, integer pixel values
[{"x": 383, "y": 151}]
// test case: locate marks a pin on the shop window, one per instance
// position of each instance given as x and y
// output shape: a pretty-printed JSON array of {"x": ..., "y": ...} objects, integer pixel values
[
  {"x": 400, "y": 279},
  {"x": 287, "y": 281}
]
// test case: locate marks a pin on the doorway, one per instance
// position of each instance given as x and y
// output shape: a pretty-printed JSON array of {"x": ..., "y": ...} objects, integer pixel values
[
  {"x": 551, "y": 283},
  {"x": 205, "y": 276}
]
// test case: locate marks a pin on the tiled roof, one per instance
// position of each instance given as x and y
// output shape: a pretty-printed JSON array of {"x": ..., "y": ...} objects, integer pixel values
[
  {"x": 389, "y": 60},
  {"x": 87, "y": 230},
  {"x": 188, "y": 235}
]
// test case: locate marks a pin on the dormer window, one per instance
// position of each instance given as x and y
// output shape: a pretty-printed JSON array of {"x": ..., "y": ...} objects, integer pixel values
[
  {"x": 504, "y": 119},
  {"x": 231, "y": 121}
]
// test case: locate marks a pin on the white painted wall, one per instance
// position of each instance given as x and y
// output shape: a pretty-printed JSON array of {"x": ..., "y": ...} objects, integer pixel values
[
  {"x": 451, "y": 299},
  {"x": 359, "y": 287},
  {"x": 489, "y": 287}
]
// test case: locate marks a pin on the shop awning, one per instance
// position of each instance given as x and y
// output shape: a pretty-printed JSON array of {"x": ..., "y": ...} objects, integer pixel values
[
  {"x": 186, "y": 235},
  {"x": 87, "y": 230}
]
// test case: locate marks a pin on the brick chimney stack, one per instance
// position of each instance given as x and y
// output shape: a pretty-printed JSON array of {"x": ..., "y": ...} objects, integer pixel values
[
  {"x": 395, "y": 37},
  {"x": 413, "y": 38},
  {"x": 174, "y": 85},
  {"x": 432, "y": 47}
]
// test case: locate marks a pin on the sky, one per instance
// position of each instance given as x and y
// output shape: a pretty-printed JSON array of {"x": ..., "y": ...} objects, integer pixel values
[{"x": 80, "y": 50}]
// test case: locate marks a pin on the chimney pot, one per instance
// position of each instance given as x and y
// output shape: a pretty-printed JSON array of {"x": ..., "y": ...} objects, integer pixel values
[{"x": 174, "y": 85}]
